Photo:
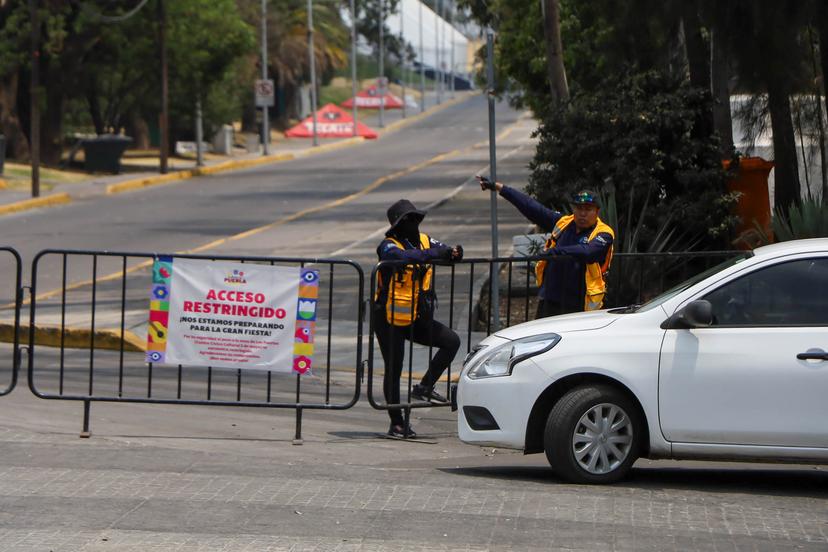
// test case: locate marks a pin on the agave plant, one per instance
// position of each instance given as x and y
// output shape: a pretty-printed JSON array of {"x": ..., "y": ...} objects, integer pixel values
[{"x": 808, "y": 219}]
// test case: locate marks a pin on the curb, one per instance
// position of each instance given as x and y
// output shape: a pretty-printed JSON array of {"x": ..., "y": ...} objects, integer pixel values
[
  {"x": 73, "y": 338},
  {"x": 146, "y": 182},
  {"x": 34, "y": 203}
]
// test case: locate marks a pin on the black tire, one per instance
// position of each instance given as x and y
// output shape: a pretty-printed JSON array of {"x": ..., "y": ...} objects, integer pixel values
[{"x": 567, "y": 417}]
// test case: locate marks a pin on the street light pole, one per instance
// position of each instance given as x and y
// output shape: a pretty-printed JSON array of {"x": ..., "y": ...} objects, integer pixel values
[
  {"x": 381, "y": 63},
  {"x": 312, "y": 56},
  {"x": 402, "y": 53},
  {"x": 265, "y": 121},
  {"x": 422, "y": 61},
  {"x": 353, "y": 66},
  {"x": 437, "y": 54},
  {"x": 451, "y": 30},
  {"x": 164, "y": 117},
  {"x": 490, "y": 83},
  {"x": 34, "y": 112}
]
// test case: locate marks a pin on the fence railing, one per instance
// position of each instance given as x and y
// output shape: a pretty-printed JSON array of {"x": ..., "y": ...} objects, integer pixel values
[
  {"x": 10, "y": 296},
  {"x": 97, "y": 308},
  {"x": 88, "y": 315},
  {"x": 464, "y": 294}
]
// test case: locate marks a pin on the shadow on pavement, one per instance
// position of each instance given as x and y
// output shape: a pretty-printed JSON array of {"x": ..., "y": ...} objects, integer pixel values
[{"x": 803, "y": 482}]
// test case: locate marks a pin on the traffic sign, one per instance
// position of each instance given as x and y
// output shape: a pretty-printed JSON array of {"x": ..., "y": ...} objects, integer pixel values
[{"x": 264, "y": 93}]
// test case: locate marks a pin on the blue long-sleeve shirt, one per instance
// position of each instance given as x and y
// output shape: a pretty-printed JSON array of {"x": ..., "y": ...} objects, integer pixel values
[{"x": 564, "y": 280}]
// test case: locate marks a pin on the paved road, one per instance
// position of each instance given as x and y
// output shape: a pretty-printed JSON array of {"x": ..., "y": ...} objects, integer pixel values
[{"x": 156, "y": 477}]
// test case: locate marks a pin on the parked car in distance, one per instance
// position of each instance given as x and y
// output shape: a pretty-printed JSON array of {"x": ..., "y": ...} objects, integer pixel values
[{"x": 730, "y": 365}]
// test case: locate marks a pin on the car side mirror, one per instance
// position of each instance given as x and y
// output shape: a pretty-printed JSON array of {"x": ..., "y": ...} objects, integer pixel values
[{"x": 697, "y": 314}]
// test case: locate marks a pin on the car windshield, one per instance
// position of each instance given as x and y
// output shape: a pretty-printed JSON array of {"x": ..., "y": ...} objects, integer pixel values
[{"x": 672, "y": 292}]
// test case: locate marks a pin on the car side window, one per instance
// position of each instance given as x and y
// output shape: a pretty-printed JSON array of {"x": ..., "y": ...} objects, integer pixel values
[{"x": 794, "y": 293}]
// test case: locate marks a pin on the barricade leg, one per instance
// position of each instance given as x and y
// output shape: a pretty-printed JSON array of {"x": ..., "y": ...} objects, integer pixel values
[{"x": 85, "y": 434}]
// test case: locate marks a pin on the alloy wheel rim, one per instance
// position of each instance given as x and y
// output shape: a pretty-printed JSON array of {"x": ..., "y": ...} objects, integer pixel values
[{"x": 602, "y": 439}]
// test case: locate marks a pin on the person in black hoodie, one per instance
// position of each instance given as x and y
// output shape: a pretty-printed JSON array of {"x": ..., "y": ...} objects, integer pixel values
[{"x": 404, "y": 296}]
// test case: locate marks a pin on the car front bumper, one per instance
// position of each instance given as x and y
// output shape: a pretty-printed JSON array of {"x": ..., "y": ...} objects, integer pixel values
[{"x": 495, "y": 411}]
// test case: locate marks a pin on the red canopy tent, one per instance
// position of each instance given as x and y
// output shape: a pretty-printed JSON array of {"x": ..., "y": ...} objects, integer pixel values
[
  {"x": 331, "y": 122},
  {"x": 370, "y": 99}
]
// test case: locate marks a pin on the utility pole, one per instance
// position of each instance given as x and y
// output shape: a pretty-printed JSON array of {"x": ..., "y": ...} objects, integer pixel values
[
  {"x": 353, "y": 66},
  {"x": 312, "y": 56},
  {"x": 451, "y": 30},
  {"x": 490, "y": 83},
  {"x": 34, "y": 112},
  {"x": 199, "y": 134},
  {"x": 164, "y": 117},
  {"x": 422, "y": 61},
  {"x": 402, "y": 54},
  {"x": 437, "y": 54},
  {"x": 381, "y": 63},
  {"x": 265, "y": 121}
]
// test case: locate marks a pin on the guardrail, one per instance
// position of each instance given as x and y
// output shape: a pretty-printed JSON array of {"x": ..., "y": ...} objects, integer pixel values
[{"x": 98, "y": 304}]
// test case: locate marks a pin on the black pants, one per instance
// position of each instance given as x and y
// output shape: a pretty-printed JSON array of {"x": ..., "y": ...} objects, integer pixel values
[{"x": 392, "y": 345}]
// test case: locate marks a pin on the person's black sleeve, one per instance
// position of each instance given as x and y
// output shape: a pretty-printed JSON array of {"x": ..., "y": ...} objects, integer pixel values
[
  {"x": 389, "y": 251},
  {"x": 532, "y": 209}
]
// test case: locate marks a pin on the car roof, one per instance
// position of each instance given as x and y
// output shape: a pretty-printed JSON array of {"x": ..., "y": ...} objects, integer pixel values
[{"x": 793, "y": 246}]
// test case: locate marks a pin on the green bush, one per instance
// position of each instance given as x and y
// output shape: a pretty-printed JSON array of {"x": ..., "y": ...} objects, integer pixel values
[{"x": 637, "y": 140}]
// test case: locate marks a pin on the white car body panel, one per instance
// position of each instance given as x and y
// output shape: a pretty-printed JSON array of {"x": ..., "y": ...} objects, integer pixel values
[{"x": 716, "y": 392}]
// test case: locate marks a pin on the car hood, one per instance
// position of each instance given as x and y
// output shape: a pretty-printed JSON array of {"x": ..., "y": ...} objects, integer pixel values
[{"x": 575, "y": 322}]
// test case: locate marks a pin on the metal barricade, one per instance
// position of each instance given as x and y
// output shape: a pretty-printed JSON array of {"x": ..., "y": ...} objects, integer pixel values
[
  {"x": 464, "y": 293},
  {"x": 10, "y": 322},
  {"x": 86, "y": 333}
]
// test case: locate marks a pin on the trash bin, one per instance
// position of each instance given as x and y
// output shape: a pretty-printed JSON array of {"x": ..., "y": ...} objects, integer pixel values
[
  {"x": 103, "y": 153},
  {"x": 2, "y": 152}
]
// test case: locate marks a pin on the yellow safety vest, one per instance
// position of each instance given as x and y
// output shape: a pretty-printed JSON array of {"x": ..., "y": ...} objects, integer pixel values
[
  {"x": 596, "y": 286},
  {"x": 403, "y": 295}
]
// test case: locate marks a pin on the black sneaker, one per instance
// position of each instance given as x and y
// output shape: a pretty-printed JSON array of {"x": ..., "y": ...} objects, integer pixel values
[
  {"x": 398, "y": 430},
  {"x": 427, "y": 394}
]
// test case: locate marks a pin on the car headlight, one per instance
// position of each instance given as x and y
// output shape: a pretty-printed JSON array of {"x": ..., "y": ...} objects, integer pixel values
[{"x": 502, "y": 359}]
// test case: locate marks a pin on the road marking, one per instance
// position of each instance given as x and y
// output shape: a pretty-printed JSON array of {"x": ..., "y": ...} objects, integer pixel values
[
  {"x": 247, "y": 233},
  {"x": 290, "y": 218}
]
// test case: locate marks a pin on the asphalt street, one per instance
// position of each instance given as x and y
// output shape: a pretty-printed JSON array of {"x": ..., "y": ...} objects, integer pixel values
[{"x": 162, "y": 477}]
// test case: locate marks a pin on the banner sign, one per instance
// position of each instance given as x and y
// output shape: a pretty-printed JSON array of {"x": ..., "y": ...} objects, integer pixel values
[{"x": 232, "y": 315}]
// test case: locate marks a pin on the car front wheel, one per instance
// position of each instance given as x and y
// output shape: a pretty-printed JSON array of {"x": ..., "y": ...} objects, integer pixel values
[{"x": 593, "y": 435}]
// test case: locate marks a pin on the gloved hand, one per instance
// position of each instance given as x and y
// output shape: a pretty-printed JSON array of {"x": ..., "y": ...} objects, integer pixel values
[
  {"x": 457, "y": 253},
  {"x": 486, "y": 184}
]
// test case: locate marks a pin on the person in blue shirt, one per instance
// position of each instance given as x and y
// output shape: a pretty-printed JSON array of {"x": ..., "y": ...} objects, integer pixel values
[
  {"x": 404, "y": 308},
  {"x": 579, "y": 250}
]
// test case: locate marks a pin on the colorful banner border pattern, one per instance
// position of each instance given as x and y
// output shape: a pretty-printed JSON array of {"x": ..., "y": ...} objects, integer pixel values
[
  {"x": 159, "y": 319},
  {"x": 305, "y": 320}
]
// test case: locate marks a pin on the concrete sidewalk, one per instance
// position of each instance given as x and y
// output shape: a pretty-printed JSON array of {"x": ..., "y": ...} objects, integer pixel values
[{"x": 18, "y": 199}]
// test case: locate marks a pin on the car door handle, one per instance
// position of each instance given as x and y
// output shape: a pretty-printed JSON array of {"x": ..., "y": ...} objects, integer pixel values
[{"x": 813, "y": 355}]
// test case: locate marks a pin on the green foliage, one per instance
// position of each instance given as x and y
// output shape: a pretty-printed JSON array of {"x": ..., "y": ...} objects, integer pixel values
[
  {"x": 634, "y": 140},
  {"x": 806, "y": 220}
]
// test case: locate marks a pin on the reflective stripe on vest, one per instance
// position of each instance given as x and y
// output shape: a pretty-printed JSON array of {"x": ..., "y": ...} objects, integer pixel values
[
  {"x": 403, "y": 295},
  {"x": 596, "y": 286}
]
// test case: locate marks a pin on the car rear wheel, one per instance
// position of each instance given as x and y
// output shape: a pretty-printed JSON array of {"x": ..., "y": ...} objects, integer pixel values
[{"x": 593, "y": 435}]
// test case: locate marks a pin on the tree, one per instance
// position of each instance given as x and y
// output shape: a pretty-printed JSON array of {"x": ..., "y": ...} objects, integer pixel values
[{"x": 634, "y": 138}]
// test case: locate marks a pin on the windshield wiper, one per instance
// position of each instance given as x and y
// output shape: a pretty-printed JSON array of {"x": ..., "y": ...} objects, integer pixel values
[{"x": 625, "y": 310}]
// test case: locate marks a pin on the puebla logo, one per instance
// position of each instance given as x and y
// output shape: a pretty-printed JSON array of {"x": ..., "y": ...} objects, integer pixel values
[{"x": 236, "y": 278}]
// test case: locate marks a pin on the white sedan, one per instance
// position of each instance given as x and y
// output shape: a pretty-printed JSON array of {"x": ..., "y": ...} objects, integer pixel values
[{"x": 731, "y": 364}]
